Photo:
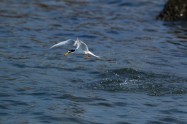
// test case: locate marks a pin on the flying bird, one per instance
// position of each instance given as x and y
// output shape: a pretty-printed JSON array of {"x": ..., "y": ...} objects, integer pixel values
[{"x": 80, "y": 48}]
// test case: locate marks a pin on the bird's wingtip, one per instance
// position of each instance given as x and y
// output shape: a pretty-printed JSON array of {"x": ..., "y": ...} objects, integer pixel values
[
  {"x": 60, "y": 43},
  {"x": 51, "y": 47}
]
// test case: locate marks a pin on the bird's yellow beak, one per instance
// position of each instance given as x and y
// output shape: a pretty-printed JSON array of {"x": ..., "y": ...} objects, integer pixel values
[{"x": 66, "y": 54}]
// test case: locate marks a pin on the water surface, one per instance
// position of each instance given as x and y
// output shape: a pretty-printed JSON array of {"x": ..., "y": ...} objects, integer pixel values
[{"x": 146, "y": 83}]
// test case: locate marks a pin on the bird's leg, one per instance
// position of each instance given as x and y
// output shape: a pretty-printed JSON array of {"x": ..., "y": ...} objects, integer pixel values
[{"x": 87, "y": 56}]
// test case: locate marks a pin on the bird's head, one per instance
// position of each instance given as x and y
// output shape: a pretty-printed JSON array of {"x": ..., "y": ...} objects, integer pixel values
[{"x": 69, "y": 51}]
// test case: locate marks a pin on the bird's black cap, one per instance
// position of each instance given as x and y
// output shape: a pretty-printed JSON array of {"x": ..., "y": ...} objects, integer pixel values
[{"x": 71, "y": 51}]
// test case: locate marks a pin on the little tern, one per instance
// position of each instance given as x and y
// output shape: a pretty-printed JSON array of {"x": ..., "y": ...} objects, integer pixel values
[{"x": 81, "y": 48}]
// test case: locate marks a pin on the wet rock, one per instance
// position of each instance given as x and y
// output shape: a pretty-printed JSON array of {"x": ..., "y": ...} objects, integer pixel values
[{"x": 174, "y": 10}]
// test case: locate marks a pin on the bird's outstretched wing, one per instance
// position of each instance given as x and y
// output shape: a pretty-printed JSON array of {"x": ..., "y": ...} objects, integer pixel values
[
  {"x": 82, "y": 46},
  {"x": 61, "y": 43}
]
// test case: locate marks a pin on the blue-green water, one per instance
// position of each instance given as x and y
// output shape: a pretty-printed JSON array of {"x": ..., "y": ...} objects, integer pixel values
[{"x": 146, "y": 84}]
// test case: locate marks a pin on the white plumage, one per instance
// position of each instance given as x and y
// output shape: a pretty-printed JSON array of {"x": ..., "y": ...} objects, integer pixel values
[{"x": 81, "y": 47}]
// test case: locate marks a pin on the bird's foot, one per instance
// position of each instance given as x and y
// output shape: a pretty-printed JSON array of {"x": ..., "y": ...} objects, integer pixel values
[{"x": 87, "y": 56}]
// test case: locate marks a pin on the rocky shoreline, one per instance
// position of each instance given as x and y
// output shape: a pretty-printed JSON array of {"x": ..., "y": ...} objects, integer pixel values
[{"x": 174, "y": 10}]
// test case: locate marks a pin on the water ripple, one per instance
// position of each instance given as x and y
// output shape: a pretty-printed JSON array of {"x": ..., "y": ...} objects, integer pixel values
[
  {"x": 145, "y": 84},
  {"x": 130, "y": 80}
]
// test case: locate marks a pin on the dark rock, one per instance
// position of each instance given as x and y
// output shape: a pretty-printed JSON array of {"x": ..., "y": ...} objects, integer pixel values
[{"x": 174, "y": 10}]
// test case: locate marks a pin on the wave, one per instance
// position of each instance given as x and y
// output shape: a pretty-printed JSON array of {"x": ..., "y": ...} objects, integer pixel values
[{"x": 129, "y": 80}]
